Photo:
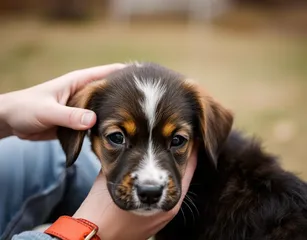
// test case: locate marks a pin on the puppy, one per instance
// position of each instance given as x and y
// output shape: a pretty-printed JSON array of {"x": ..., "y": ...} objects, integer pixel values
[{"x": 148, "y": 120}]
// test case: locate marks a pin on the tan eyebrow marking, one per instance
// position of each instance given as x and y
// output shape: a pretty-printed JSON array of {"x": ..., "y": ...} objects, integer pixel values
[
  {"x": 168, "y": 129},
  {"x": 130, "y": 127},
  {"x": 129, "y": 124}
]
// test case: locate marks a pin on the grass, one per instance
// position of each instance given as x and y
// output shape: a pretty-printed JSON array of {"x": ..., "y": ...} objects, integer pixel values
[{"x": 261, "y": 75}]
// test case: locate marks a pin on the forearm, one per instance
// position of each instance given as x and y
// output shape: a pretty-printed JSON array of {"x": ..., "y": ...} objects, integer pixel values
[{"x": 5, "y": 129}]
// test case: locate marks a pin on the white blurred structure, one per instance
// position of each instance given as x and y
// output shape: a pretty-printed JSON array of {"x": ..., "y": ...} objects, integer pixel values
[{"x": 194, "y": 9}]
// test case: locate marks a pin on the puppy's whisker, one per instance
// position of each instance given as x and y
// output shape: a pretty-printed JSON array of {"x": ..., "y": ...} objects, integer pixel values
[
  {"x": 192, "y": 193},
  {"x": 113, "y": 183},
  {"x": 117, "y": 184},
  {"x": 190, "y": 210},
  {"x": 190, "y": 200},
  {"x": 184, "y": 219}
]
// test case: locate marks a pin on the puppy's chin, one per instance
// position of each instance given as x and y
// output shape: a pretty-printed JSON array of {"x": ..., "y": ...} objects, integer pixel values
[{"x": 146, "y": 212}]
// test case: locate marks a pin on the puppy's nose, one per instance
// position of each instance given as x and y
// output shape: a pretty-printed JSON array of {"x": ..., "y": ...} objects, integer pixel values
[{"x": 149, "y": 194}]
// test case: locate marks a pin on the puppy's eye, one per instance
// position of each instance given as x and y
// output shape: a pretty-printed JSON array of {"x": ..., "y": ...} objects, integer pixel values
[
  {"x": 178, "y": 141},
  {"x": 116, "y": 138}
]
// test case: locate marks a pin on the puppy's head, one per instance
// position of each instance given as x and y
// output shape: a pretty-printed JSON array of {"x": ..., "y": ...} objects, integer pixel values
[{"x": 148, "y": 119}]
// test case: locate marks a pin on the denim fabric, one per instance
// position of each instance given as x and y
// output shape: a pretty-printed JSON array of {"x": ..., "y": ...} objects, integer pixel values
[
  {"x": 35, "y": 186},
  {"x": 32, "y": 235}
]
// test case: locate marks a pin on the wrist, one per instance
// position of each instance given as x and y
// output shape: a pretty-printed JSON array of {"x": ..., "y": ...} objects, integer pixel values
[
  {"x": 5, "y": 129},
  {"x": 88, "y": 211},
  {"x": 69, "y": 227}
]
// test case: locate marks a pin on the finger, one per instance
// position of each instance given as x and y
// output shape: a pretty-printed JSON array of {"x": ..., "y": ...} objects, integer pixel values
[
  {"x": 70, "y": 117},
  {"x": 84, "y": 76}
]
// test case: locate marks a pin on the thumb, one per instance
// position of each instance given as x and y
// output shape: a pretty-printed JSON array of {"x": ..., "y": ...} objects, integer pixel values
[{"x": 71, "y": 117}]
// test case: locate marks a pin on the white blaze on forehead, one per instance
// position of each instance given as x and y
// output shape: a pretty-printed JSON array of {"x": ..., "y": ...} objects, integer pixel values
[
  {"x": 149, "y": 171},
  {"x": 153, "y": 92}
]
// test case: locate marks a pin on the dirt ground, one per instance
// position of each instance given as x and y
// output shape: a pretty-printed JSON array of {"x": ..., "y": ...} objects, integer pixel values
[{"x": 261, "y": 75}]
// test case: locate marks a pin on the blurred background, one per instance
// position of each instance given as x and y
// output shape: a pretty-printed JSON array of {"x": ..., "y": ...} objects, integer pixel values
[{"x": 250, "y": 54}]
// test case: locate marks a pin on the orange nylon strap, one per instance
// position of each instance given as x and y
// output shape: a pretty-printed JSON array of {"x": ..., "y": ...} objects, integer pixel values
[{"x": 68, "y": 228}]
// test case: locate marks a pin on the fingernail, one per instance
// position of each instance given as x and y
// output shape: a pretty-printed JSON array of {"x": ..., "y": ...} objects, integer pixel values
[{"x": 87, "y": 118}]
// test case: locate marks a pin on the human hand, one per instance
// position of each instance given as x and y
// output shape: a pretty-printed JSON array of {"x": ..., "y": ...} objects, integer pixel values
[
  {"x": 117, "y": 224},
  {"x": 34, "y": 113}
]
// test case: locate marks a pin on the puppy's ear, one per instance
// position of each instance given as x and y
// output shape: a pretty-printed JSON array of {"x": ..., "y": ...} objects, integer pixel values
[
  {"x": 70, "y": 139},
  {"x": 214, "y": 121}
]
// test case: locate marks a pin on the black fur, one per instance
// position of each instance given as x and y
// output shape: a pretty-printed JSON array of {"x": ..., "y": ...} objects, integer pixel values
[
  {"x": 249, "y": 197},
  {"x": 243, "y": 195}
]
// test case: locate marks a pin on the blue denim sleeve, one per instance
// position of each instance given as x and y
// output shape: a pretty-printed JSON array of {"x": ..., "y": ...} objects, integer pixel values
[
  {"x": 36, "y": 188},
  {"x": 33, "y": 235}
]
